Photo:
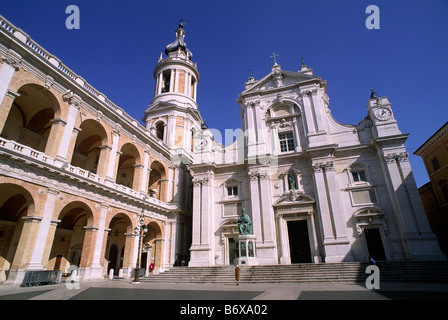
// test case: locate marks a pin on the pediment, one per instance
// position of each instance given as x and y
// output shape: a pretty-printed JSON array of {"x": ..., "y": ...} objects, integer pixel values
[
  {"x": 277, "y": 79},
  {"x": 294, "y": 198}
]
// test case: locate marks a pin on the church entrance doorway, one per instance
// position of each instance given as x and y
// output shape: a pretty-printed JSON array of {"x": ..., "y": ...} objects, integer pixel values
[
  {"x": 375, "y": 244},
  {"x": 232, "y": 251},
  {"x": 299, "y": 242}
]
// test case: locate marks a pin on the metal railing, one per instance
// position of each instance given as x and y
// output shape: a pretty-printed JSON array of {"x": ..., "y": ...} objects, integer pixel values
[{"x": 41, "y": 277}]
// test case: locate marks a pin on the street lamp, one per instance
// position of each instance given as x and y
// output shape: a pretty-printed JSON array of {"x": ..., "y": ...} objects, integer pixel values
[{"x": 140, "y": 231}]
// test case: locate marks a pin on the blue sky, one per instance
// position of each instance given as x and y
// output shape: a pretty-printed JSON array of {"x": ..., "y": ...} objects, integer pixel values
[{"x": 119, "y": 42}]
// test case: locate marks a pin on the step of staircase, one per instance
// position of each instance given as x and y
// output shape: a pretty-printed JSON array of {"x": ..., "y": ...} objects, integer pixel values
[{"x": 400, "y": 271}]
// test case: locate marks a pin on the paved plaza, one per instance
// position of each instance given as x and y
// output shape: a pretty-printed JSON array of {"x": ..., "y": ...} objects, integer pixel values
[{"x": 121, "y": 289}]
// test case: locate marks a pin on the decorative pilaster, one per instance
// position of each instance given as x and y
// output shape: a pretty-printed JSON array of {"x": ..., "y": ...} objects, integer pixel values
[
  {"x": 417, "y": 238},
  {"x": 10, "y": 64},
  {"x": 331, "y": 213},
  {"x": 111, "y": 166},
  {"x": 97, "y": 269},
  {"x": 263, "y": 216},
  {"x": 203, "y": 223},
  {"x": 42, "y": 234},
  {"x": 75, "y": 103}
]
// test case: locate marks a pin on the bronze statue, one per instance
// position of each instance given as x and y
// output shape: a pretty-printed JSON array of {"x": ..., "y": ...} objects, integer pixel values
[
  {"x": 244, "y": 223},
  {"x": 292, "y": 182}
]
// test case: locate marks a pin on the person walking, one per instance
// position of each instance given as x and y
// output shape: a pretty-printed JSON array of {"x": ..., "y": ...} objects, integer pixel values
[{"x": 237, "y": 275}]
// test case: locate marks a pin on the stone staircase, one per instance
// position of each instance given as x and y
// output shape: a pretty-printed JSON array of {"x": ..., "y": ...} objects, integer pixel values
[{"x": 399, "y": 271}]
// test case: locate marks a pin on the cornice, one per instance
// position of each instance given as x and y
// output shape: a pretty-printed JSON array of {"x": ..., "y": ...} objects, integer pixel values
[
  {"x": 173, "y": 61},
  {"x": 64, "y": 79},
  {"x": 432, "y": 141},
  {"x": 43, "y": 173}
]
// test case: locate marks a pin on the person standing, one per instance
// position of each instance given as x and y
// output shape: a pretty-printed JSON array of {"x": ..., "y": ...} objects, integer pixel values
[{"x": 237, "y": 275}]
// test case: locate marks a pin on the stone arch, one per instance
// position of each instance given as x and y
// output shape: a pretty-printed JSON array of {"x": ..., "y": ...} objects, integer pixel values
[
  {"x": 72, "y": 240},
  {"x": 119, "y": 246},
  {"x": 31, "y": 117},
  {"x": 282, "y": 108},
  {"x": 89, "y": 152},
  {"x": 129, "y": 166},
  {"x": 153, "y": 244},
  {"x": 160, "y": 129},
  {"x": 16, "y": 202},
  {"x": 157, "y": 185}
]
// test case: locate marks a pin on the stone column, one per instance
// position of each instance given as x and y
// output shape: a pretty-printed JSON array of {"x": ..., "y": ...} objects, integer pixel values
[
  {"x": 143, "y": 188},
  {"x": 308, "y": 112},
  {"x": 251, "y": 131},
  {"x": 75, "y": 103},
  {"x": 96, "y": 266},
  {"x": 323, "y": 202},
  {"x": 88, "y": 247},
  {"x": 275, "y": 144},
  {"x": 137, "y": 178},
  {"x": 6, "y": 105},
  {"x": 111, "y": 166},
  {"x": 418, "y": 241},
  {"x": 331, "y": 213},
  {"x": 176, "y": 83},
  {"x": 10, "y": 64},
  {"x": 35, "y": 262},
  {"x": 170, "y": 130},
  {"x": 168, "y": 245},
  {"x": 130, "y": 256},
  {"x": 103, "y": 161},
  {"x": 267, "y": 250},
  {"x": 159, "y": 83},
  {"x": 257, "y": 218},
  {"x": 172, "y": 80},
  {"x": 285, "y": 256},
  {"x": 295, "y": 127},
  {"x": 315, "y": 251},
  {"x": 203, "y": 223},
  {"x": 170, "y": 187},
  {"x": 24, "y": 249}
]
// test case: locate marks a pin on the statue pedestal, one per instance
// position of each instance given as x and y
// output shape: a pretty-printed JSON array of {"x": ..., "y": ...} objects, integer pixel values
[{"x": 246, "y": 250}]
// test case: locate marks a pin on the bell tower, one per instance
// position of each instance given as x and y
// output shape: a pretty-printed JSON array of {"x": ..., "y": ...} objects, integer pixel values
[{"x": 172, "y": 116}]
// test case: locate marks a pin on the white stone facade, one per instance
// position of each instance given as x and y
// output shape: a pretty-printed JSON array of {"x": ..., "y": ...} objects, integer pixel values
[
  {"x": 77, "y": 183},
  {"x": 316, "y": 190}
]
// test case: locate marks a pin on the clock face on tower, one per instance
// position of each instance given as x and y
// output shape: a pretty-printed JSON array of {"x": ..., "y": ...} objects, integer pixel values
[
  {"x": 201, "y": 143},
  {"x": 382, "y": 114}
]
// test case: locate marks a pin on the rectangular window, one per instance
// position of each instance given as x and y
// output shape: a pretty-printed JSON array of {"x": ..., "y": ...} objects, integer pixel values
[
  {"x": 435, "y": 164},
  {"x": 286, "y": 141},
  {"x": 232, "y": 191},
  {"x": 359, "y": 176}
]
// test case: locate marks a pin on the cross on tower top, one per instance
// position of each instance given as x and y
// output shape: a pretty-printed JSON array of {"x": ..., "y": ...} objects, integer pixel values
[{"x": 274, "y": 55}]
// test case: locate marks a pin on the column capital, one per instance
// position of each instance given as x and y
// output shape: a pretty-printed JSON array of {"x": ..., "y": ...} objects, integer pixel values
[
  {"x": 12, "y": 59},
  {"x": 90, "y": 228},
  {"x": 32, "y": 218},
  {"x": 320, "y": 166},
  {"x": 72, "y": 98},
  {"x": 12, "y": 94}
]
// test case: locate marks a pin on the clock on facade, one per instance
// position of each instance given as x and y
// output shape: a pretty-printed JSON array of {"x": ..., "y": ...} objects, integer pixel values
[
  {"x": 382, "y": 113},
  {"x": 201, "y": 143}
]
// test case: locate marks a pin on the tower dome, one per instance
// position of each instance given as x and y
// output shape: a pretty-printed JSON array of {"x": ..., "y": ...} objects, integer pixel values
[
  {"x": 176, "y": 76},
  {"x": 179, "y": 43},
  {"x": 173, "y": 116}
]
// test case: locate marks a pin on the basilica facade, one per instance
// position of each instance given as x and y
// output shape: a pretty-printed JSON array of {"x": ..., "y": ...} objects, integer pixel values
[{"x": 80, "y": 178}]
